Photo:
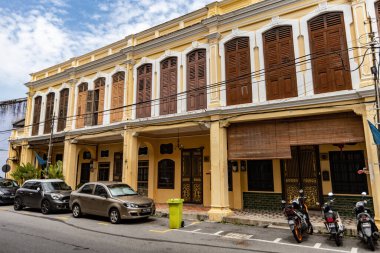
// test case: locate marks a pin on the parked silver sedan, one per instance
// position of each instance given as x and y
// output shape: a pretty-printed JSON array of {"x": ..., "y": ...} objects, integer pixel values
[{"x": 110, "y": 199}]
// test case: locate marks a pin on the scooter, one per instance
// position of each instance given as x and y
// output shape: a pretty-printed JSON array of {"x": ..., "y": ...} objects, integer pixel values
[
  {"x": 298, "y": 217},
  {"x": 332, "y": 221},
  {"x": 366, "y": 227}
]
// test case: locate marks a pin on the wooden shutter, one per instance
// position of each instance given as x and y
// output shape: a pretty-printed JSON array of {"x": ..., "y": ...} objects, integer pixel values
[
  {"x": 144, "y": 87},
  {"x": 63, "y": 106},
  {"x": 36, "y": 115},
  {"x": 89, "y": 112},
  {"x": 81, "y": 104},
  {"x": 49, "y": 112},
  {"x": 168, "y": 86},
  {"x": 280, "y": 70},
  {"x": 238, "y": 71},
  {"x": 330, "y": 61},
  {"x": 117, "y": 100},
  {"x": 273, "y": 139},
  {"x": 196, "y": 80},
  {"x": 377, "y": 9},
  {"x": 98, "y": 102}
]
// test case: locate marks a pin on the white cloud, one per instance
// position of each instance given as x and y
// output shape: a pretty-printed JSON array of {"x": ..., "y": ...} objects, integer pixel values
[{"x": 35, "y": 39}]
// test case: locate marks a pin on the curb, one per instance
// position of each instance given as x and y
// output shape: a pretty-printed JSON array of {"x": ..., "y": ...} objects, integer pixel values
[
  {"x": 186, "y": 216},
  {"x": 318, "y": 228}
]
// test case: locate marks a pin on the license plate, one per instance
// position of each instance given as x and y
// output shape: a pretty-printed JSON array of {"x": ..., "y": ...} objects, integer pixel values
[
  {"x": 331, "y": 225},
  {"x": 291, "y": 222},
  {"x": 146, "y": 210},
  {"x": 366, "y": 225}
]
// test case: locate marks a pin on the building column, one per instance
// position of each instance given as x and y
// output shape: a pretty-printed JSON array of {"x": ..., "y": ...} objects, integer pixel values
[
  {"x": 26, "y": 154},
  {"x": 219, "y": 172},
  {"x": 130, "y": 153},
  {"x": 214, "y": 98},
  {"x": 373, "y": 163},
  {"x": 236, "y": 187},
  {"x": 70, "y": 163}
]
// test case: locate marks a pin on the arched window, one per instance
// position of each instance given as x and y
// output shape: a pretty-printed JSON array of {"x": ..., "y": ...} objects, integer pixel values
[
  {"x": 280, "y": 69},
  {"x": 168, "y": 86},
  {"x": 238, "y": 71},
  {"x": 117, "y": 98},
  {"x": 166, "y": 168},
  {"x": 329, "y": 55},
  {"x": 144, "y": 91},
  {"x": 81, "y": 104},
  {"x": 63, "y": 106},
  {"x": 49, "y": 112},
  {"x": 196, "y": 80},
  {"x": 36, "y": 115}
]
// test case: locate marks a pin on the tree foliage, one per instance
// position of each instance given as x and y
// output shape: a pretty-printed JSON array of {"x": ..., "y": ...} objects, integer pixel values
[
  {"x": 56, "y": 171},
  {"x": 25, "y": 172}
]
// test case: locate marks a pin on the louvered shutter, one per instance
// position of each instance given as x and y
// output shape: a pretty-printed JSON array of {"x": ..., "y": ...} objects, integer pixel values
[
  {"x": 196, "y": 80},
  {"x": 144, "y": 87},
  {"x": 98, "y": 101},
  {"x": 280, "y": 71},
  {"x": 49, "y": 112},
  {"x": 89, "y": 113},
  {"x": 63, "y": 106},
  {"x": 330, "y": 61},
  {"x": 81, "y": 104},
  {"x": 117, "y": 97},
  {"x": 36, "y": 115},
  {"x": 238, "y": 71},
  {"x": 168, "y": 86},
  {"x": 377, "y": 9}
]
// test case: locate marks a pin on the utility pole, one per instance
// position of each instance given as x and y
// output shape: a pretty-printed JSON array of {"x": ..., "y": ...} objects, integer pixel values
[
  {"x": 48, "y": 162},
  {"x": 374, "y": 72}
]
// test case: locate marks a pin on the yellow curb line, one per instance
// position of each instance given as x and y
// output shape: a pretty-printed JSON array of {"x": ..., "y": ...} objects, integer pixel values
[
  {"x": 160, "y": 231},
  {"x": 103, "y": 223},
  {"x": 62, "y": 218}
]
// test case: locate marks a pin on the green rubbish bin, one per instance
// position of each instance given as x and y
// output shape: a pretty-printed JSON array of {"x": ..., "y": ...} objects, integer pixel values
[{"x": 175, "y": 213}]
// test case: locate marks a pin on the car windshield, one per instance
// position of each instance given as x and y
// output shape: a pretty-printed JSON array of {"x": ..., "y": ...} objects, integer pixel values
[
  {"x": 8, "y": 184},
  {"x": 118, "y": 190},
  {"x": 56, "y": 186}
]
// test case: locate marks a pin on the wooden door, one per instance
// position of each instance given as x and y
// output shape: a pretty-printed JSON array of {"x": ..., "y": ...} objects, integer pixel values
[
  {"x": 238, "y": 71},
  {"x": 280, "y": 74},
  {"x": 302, "y": 172},
  {"x": 49, "y": 112},
  {"x": 98, "y": 103},
  {"x": 85, "y": 173},
  {"x": 168, "y": 86},
  {"x": 118, "y": 167},
  {"x": 81, "y": 105},
  {"x": 117, "y": 98},
  {"x": 196, "y": 80},
  {"x": 330, "y": 61},
  {"x": 36, "y": 115},
  {"x": 144, "y": 88},
  {"x": 63, "y": 106},
  {"x": 192, "y": 176}
]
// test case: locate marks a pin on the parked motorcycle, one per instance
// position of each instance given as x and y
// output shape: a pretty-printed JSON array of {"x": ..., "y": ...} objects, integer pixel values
[
  {"x": 366, "y": 227},
  {"x": 332, "y": 221},
  {"x": 298, "y": 217}
]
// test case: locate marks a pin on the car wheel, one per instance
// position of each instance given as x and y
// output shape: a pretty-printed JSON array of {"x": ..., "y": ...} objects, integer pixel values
[
  {"x": 115, "y": 216},
  {"x": 17, "y": 205},
  {"x": 77, "y": 213},
  {"x": 45, "y": 207}
]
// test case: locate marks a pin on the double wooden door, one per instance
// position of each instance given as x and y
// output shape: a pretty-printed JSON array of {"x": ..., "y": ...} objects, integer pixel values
[
  {"x": 192, "y": 175},
  {"x": 302, "y": 172}
]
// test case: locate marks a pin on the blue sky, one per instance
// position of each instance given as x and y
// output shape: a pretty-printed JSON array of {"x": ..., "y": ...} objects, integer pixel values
[{"x": 35, "y": 34}]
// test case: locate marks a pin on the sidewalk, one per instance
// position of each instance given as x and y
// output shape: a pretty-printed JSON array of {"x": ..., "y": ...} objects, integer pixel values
[{"x": 256, "y": 218}]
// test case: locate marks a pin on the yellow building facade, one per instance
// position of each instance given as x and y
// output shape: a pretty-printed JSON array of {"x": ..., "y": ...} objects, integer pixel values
[{"x": 234, "y": 106}]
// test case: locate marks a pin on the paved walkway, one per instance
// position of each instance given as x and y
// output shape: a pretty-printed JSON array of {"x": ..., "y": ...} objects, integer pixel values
[{"x": 256, "y": 217}]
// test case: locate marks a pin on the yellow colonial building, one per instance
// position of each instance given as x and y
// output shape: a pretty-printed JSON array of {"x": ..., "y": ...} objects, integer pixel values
[{"x": 233, "y": 106}]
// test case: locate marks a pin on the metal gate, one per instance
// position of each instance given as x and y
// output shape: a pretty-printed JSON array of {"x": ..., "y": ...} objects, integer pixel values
[{"x": 302, "y": 172}]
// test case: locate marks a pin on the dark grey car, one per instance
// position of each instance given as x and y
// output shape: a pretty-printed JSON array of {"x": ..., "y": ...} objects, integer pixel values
[
  {"x": 7, "y": 190},
  {"x": 47, "y": 194}
]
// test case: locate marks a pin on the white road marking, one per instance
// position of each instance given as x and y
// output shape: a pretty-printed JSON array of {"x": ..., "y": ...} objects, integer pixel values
[
  {"x": 196, "y": 230},
  {"x": 193, "y": 223},
  {"x": 280, "y": 227},
  {"x": 354, "y": 250},
  {"x": 237, "y": 236},
  {"x": 282, "y": 243},
  {"x": 218, "y": 233},
  {"x": 277, "y": 240},
  {"x": 317, "y": 245}
]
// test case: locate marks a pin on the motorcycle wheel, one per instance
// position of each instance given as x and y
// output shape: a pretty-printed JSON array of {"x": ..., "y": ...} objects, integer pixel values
[
  {"x": 338, "y": 240},
  {"x": 297, "y": 232},
  {"x": 371, "y": 244}
]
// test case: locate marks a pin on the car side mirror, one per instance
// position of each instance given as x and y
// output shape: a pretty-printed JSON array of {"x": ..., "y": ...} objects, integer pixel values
[{"x": 38, "y": 189}]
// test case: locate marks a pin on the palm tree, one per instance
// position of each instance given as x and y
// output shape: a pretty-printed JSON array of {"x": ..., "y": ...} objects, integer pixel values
[{"x": 24, "y": 172}]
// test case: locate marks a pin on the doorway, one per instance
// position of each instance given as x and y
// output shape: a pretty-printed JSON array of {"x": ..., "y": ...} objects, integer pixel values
[
  {"x": 192, "y": 175},
  {"x": 118, "y": 167},
  {"x": 302, "y": 171},
  {"x": 85, "y": 173},
  {"x": 142, "y": 178},
  {"x": 104, "y": 172}
]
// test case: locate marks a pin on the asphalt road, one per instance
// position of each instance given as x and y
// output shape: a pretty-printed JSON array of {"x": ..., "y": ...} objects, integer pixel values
[{"x": 31, "y": 232}]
